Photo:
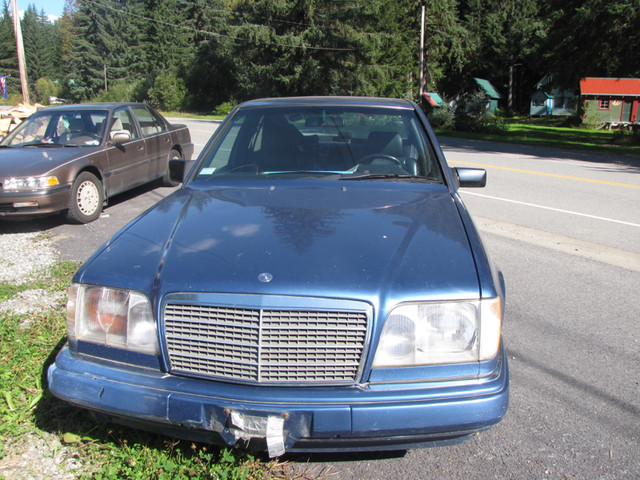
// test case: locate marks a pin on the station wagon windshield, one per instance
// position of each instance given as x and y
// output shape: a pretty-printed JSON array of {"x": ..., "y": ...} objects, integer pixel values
[
  {"x": 60, "y": 128},
  {"x": 322, "y": 142}
]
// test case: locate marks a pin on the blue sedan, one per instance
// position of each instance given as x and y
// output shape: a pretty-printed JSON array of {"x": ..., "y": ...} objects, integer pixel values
[{"x": 316, "y": 284}]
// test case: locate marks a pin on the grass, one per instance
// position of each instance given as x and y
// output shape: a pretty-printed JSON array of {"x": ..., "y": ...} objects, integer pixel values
[
  {"x": 28, "y": 345},
  {"x": 541, "y": 132},
  {"x": 197, "y": 116}
]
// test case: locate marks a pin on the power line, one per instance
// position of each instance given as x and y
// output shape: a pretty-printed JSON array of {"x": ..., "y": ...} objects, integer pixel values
[{"x": 215, "y": 34}]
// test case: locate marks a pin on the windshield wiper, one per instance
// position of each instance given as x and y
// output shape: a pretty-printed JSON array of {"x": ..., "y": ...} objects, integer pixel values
[
  {"x": 44, "y": 144},
  {"x": 319, "y": 172},
  {"x": 384, "y": 176},
  {"x": 37, "y": 144}
]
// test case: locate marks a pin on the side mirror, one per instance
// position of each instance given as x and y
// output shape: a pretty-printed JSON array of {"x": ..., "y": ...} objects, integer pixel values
[
  {"x": 118, "y": 137},
  {"x": 178, "y": 169},
  {"x": 471, "y": 177}
]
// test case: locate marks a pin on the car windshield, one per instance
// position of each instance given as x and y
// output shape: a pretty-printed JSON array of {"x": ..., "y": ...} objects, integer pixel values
[
  {"x": 63, "y": 128},
  {"x": 322, "y": 142}
]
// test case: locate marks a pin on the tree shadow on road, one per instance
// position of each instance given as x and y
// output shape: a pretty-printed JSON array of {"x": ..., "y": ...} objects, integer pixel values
[{"x": 632, "y": 162}]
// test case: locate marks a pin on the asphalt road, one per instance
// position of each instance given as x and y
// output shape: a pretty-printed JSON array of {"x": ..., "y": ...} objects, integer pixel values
[{"x": 565, "y": 229}]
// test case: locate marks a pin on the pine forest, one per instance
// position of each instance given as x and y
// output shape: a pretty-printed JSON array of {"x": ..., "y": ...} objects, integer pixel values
[{"x": 199, "y": 55}]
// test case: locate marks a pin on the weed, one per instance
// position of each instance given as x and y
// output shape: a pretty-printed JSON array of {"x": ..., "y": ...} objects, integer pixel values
[{"x": 8, "y": 290}]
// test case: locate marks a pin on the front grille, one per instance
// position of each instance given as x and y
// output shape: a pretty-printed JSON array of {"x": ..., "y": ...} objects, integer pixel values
[{"x": 266, "y": 345}]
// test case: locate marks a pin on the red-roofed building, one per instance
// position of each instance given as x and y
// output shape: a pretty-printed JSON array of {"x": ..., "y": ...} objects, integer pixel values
[{"x": 614, "y": 99}]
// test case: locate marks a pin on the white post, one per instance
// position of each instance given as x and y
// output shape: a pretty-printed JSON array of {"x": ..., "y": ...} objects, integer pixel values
[{"x": 422, "y": 82}]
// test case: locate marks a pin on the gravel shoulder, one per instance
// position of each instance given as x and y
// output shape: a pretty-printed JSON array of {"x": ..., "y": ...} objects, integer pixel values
[{"x": 27, "y": 257}]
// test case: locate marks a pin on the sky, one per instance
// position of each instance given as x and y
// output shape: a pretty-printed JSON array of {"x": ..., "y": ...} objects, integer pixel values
[{"x": 52, "y": 8}]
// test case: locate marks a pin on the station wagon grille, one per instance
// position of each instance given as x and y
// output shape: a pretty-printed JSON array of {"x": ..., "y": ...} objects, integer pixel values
[{"x": 289, "y": 346}]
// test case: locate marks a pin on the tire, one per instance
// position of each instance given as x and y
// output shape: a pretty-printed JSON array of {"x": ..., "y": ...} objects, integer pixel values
[
  {"x": 166, "y": 179},
  {"x": 87, "y": 198}
]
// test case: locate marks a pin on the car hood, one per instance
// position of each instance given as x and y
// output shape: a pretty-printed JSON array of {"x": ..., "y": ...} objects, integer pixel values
[
  {"x": 364, "y": 240},
  {"x": 24, "y": 161}
]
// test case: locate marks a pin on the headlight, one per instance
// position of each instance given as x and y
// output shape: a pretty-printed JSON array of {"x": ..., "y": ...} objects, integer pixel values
[
  {"x": 30, "y": 183},
  {"x": 439, "y": 333},
  {"x": 113, "y": 317}
]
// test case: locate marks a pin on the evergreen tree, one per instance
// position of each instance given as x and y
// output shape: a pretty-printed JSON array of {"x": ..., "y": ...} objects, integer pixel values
[
  {"x": 64, "y": 27},
  {"x": 592, "y": 38},
  {"x": 282, "y": 47},
  {"x": 88, "y": 55},
  {"x": 39, "y": 46},
  {"x": 96, "y": 39},
  {"x": 211, "y": 77},
  {"x": 447, "y": 45},
  {"x": 505, "y": 39},
  {"x": 8, "y": 52},
  {"x": 166, "y": 33}
]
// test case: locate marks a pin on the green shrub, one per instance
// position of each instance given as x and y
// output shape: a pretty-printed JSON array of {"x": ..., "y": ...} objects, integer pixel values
[
  {"x": 441, "y": 118},
  {"x": 626, "y": 137},
  {"x": 492, "y": 124},
  {"x": 46, "y": 88},
  {"x": 572, "y": 121},
  {"x": 14, "y": 98},
  {"x": 472, "y": 115},
  {"x": 119, "y": 91},
  {"x": 169, "y": 92},
  {"x": 225, "y": 108},
  {"x": 592, "y": 118}
]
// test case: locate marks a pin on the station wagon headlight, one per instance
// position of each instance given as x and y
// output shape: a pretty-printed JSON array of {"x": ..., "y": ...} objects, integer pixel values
[
  {"x": 30, "y": 183},
  {"x": 440, "y": 333},
  {"x": 112, "y": 317}
]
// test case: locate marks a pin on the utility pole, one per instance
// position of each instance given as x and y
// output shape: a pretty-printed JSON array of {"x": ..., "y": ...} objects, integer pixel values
[
  {"x": 422, "y": 82},
  {"x": 20, "y": 47},
  {"x": 511, "y": 100}
]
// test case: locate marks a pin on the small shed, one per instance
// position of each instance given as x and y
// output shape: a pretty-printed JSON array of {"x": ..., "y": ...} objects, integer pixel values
[
  {"x": 551, "y": 101},
  {"x": 614, "y": 100},
  {"x": 493, "y": 95},
  {"x": 433, "y": 99}
]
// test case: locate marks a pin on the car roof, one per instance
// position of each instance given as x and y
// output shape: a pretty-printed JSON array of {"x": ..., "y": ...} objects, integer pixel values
[
  {"x": 91, "y": 106},
  {"x": 333, "y": 101}
]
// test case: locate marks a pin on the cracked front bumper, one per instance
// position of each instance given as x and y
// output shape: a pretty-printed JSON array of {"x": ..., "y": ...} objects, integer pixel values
[{"x": 291, "y": 419}]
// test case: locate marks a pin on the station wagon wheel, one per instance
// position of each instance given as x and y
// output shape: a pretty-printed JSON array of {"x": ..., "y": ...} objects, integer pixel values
[
  {"x": 86, "y": 200},
  {"x": 166, "y": 179}
]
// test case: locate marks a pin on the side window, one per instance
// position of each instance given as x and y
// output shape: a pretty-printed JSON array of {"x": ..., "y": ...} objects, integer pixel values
[
  {"x": 122, "y": 121},
  {"x": 149, "y": 123},
  {"x": 221, "y": 156}
]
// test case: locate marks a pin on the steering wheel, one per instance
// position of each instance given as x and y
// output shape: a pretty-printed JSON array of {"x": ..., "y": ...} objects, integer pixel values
[
  {"x": 69, "y": 138},
  {"x": 95, "y": 136},
  {"x": 368, "y": 159}
]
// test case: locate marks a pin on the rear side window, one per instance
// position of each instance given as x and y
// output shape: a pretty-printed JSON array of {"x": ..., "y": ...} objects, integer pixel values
[
  {"x": 122, "y": 121},
  {"x": 149, "y": 123}
]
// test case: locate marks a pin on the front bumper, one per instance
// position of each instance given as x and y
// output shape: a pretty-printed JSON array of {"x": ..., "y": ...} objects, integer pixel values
[
  {"x": 35, "y": 202},
  {"x": 291, "y": 419}
]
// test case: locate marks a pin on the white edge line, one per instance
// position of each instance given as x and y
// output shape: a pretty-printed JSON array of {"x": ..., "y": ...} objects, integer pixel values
[{"x": 595, "y": 217}]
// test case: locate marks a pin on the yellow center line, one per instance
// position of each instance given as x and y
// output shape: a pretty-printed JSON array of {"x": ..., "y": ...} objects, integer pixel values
[{"x": 544, "y": 174}]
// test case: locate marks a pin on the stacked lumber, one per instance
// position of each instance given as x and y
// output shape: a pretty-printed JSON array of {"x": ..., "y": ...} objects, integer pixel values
[{"x": 13, "y": 116}]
